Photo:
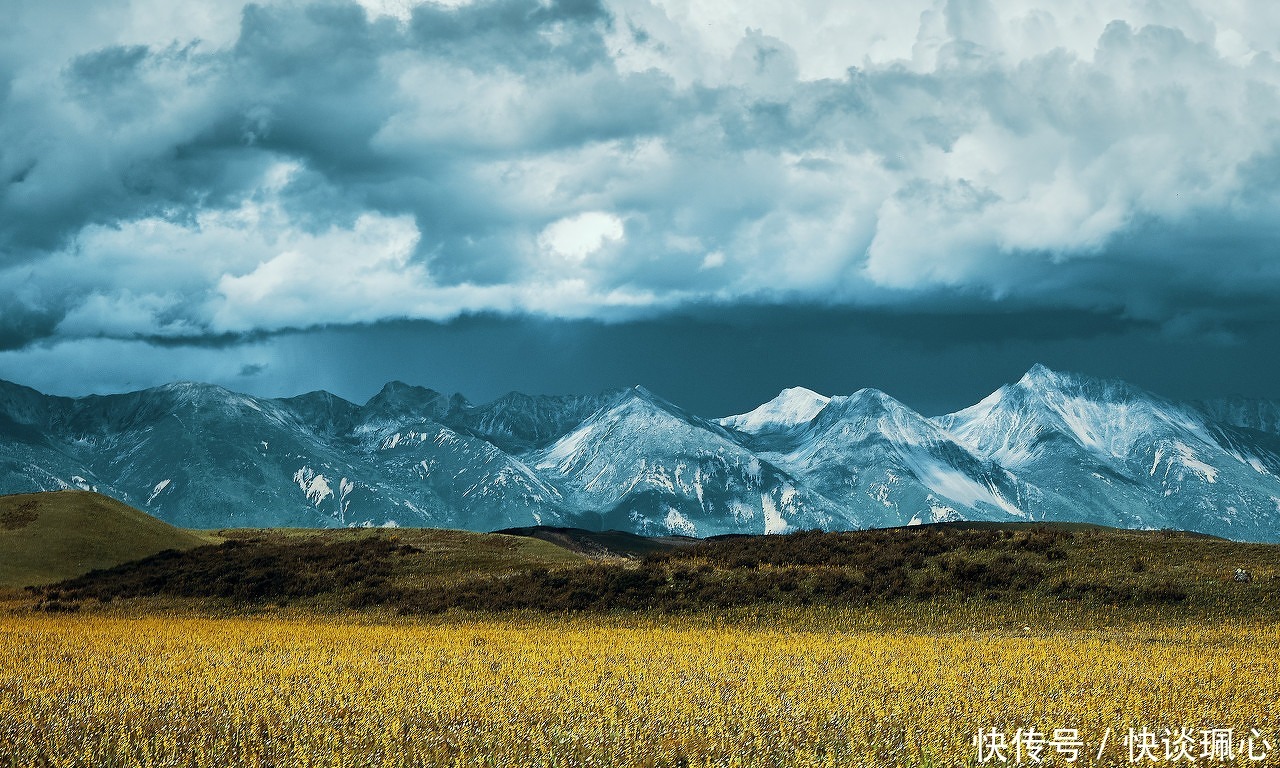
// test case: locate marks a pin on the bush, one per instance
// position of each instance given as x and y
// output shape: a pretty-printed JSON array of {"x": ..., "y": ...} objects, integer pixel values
[{"x": 244, "y": 571}]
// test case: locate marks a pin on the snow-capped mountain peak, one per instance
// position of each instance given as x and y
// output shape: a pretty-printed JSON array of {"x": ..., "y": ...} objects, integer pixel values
[
  {"x": 648, "y": 465},
  {"x": 871, "y": 410},
  {"x": 793, "y": 406},
  {"x": 1051, "y": 445},
  {"x": 1132, "y": 457},
  {"x": 1105, "y": 417},
  {"x": 1040, "y": 375},
  {"x": 640, "y": 402}
]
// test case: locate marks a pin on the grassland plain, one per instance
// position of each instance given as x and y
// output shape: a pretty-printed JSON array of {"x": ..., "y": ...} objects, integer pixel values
[
  {"x": 430, "y": 648},
  {"x": 897, "y": 686}
]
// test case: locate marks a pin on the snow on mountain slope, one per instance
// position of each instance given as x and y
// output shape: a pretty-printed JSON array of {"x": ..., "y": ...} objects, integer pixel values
[
  {"x": 516, "y": 422},
  {"x": 645, "y": 465},
  {"x": 399, "y": 403},
  {"x": 1051, "y": 446},
  {"x": 30, "y": 467},
  {"x": 868, "y": 449},
  {"x": 1248, "y": 413},
  {"x": 792, "y": 407},
  {"x": 204, "y": 457},
  {"x": 1107, "y": 445},
  {"x": 31, "y": 458},
  {"x": 1106, "y": 418},
  {"x": 323, "y": 413},
  {"x": 201, "y": 456},
  {"x": 446, "y": 479}
]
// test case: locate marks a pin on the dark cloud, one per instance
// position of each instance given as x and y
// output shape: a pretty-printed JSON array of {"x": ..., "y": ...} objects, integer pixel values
[
  {"x": 312, "y": 88},
  {"x": 213, "y": 181},
  {"x": 514, "y": 33},
  {"x": 100, "y": 75},
  {"x": 19, "y": 325},
  {"x": 713, "y": 362}
]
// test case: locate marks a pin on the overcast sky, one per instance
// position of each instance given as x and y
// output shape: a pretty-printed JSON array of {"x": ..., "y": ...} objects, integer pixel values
[{"x": 715, "y": 200}]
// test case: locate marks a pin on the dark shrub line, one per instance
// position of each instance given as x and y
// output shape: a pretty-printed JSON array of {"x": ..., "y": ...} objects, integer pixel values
[
  {"x": 805, "y": 568},
  {"x": 241, "y": 570}
]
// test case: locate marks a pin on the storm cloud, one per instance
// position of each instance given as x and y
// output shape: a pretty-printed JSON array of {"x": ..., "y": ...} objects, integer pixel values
[{"x": 207, "y": 170}]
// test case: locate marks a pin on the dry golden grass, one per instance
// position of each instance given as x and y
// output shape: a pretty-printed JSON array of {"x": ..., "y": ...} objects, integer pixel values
[{"x": 813, "y": 689}]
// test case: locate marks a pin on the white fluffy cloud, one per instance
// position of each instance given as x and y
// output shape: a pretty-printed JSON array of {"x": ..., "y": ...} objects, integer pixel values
[
  {"x": 576, "y": 238},
  {"x": 295, "y": 164}
]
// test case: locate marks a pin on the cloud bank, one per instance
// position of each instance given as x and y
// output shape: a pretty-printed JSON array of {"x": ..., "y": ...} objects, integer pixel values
[{"x": 204, "y": 169}]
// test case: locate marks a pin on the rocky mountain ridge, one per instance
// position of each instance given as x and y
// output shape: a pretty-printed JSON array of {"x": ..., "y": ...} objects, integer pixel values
[{"x": 1051, "y": 446}]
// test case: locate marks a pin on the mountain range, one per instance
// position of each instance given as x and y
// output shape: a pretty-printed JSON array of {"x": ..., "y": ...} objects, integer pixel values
[{"x": 1051, "y": 446}]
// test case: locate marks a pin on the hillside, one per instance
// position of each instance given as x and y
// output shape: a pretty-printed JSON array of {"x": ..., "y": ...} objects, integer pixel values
[
  {"x": 321, "y": 570},
  {"x": 602, "y": 544},
  {"x": 46, "y": 537},
  {"x": 1019, "y": 566}
]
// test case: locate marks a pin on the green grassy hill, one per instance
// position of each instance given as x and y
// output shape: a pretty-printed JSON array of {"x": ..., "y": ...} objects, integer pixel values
[{"x": 47, "y": 537}]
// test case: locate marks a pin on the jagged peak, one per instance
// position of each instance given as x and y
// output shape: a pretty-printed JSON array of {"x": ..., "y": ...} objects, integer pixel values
[
  {"x": 637, "y": 401},
  {"x": 514, "y": 397},
  {"x": 1239, "y": 411},
  {"x": 870, "y": 404},
  {"x": 399, "y": 389},
  {"x": 1030, "y": 388},
  {"x": 321, "y": 409},
  {"x": 194, "y": 392},
  {"x": 401, "y": 402},
  {"x": 638, "y": 393},
  {"x": 14, "y": 387},
  {"x": 638, "y": 397},
  {"x": 793, "y": 397},
  {"x": 317, "y": 396},
  {"x": 871, "y": 394},
  {"x": 1104, "y": 416},
  {"x": 792, "y": 406},
  {"x": 400, "y": 396},
  {"x": 1049, "y": 386},
  {"x": 869, "y": 398},
  {"x": 872, "y": 414},
  {"x": 1040, "y": 376},
  {"x": 799, "y": 392},
  {"x": 189, "y": 386},
  {"x": 1040, "y": 370}
]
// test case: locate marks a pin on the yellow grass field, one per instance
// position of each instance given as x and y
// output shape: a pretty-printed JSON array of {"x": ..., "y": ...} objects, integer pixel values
[{"x": 118, "y": 690}]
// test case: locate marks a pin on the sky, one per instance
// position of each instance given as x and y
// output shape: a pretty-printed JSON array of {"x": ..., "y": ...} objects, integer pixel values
[{"x": 715, "y": 200}]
